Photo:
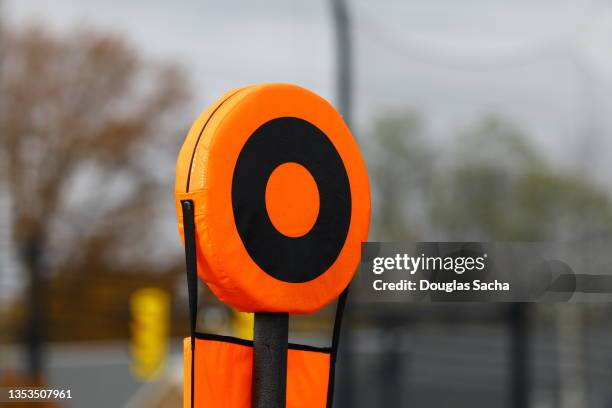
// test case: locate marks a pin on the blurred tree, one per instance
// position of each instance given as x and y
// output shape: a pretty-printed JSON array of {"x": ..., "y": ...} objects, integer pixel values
[
  {"x": 496, "y": 187},
  {"x": 401, "y": 166},
  {"x": 489, "y": 184},
  {"x": 88, "y": 133}
]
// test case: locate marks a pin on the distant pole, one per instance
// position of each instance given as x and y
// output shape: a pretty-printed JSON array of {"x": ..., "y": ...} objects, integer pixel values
[
  {"x": 519, "y": 356},
  {"x": 344, "y": 58},
  {"x": 35, "y": 321},
  {"x": 344, "y": 96}
]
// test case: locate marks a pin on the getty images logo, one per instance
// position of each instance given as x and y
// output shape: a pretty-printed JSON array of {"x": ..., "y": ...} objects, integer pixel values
[{"x": 412, "y": 264}]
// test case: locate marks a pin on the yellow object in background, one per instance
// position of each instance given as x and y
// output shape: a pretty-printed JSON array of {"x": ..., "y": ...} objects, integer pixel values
[
  {"x": 150, "y": 308},
  {"x": 243, "y": 324}
]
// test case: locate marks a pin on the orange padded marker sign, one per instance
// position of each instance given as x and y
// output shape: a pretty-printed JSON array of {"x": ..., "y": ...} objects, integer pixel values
[{"x": 281, "y": 199}]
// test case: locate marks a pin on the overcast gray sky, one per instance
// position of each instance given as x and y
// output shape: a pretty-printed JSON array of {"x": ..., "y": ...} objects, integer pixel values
[{"x": 545, "y": 64}]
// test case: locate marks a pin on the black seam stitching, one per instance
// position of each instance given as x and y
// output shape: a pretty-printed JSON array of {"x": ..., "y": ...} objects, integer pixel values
[
  {"x": 195, "y": 148},
  {"x": 249, "y": 343}
]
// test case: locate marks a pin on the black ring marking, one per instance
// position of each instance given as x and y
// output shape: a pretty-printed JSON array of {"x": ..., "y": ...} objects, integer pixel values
[{"x": 290, "y": 259}]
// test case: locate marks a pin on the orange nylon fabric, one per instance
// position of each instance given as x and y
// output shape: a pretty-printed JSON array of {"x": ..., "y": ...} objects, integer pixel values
[
  {"x": 187, "y": 373},
  {"x": 223, "y": 375},
  {"x": 204, "y": 174}
]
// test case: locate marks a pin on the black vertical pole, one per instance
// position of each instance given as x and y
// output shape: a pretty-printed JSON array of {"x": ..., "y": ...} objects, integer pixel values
[
  {"x": 391, "y": 363},
  {"x": 519, "y": 356},
  {"x": 35, "y": 323},
  {"x": 344, "y": 58},
  {"x": 270, "y": 340}
]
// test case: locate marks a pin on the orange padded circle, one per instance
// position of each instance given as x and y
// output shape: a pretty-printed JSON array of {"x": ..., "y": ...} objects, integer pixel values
[
  {"x": 295, "y": 200},
  {"x": 292, "y": 199}
]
